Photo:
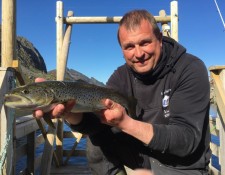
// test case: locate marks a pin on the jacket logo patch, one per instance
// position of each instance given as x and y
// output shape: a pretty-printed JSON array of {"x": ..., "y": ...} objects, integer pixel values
[{"x": 166, "y": 102}]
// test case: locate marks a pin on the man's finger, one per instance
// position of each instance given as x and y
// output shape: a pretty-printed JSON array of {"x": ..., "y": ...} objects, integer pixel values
[
  {"x": 38, "y": 114},
  {"x": 40, "y": 79},
  {"x": 109, "y": 104},
  {"x": 58, "y": 110},
  {"x": 69, "y": 105}
]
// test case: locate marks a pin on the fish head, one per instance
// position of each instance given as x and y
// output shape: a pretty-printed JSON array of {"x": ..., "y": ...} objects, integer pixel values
[{"x": 32, "y": 96}]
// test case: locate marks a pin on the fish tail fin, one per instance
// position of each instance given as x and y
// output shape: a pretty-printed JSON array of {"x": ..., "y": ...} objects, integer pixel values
[
  {"x": 48, "y": 120},
  {"x": 132, "y": 107}
]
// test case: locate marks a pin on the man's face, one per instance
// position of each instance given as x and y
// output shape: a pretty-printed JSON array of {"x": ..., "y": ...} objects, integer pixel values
[{"x": 141, "y": 48}]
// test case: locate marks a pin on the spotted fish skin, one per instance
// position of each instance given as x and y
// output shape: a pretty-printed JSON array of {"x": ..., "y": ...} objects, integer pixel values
[{"x": 45, "y": 95}]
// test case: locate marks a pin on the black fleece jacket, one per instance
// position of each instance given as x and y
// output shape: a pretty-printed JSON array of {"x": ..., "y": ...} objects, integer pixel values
[{"x": 174, "y": 98}]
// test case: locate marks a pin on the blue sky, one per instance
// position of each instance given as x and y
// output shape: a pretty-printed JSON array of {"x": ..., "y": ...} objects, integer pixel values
[{"x": 94, "y": 50}]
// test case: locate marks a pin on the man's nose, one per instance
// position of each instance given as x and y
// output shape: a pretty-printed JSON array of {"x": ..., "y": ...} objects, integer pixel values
[{"x": 138, "y": 52}]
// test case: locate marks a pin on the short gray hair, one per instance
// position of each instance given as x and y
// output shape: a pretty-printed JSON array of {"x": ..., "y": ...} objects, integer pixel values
[{"x": 133, "y": 19}]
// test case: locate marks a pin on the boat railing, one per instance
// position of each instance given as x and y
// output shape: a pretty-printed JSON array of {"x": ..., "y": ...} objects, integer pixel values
[
  {"x": 30, "y": 146},
  {"x": 217, "y": 125}
]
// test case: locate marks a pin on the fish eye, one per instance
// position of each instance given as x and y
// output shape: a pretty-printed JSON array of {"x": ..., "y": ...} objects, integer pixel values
[{"x": 25, "y": 91}]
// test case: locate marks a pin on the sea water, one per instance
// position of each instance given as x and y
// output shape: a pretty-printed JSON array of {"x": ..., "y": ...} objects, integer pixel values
[{"x": 67, "y": 145}]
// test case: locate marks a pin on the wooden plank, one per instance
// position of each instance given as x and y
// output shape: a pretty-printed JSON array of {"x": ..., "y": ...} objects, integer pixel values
[
  {"x": 24, "y": 119},
  {"x": 218, "y": 123},
  {"x": 77, "y": 153},
  {"x": 105, "y": 19},
  {"x": 213, "y": 127},
  {"x": 220, "y": 94},
  {"x": 59, "y": 34},
  {"x": 31, "y": 152},
  {"x": 15, "y": 65},
  {"x": 48, "y": 150},
  {"x": 25, "y": 128},
  {"x": 72, "y": 134},
  {"x": 217, "y": 67},
  {"x": 174, "y": 19},
  {"x": 71, "y": 170},
  {"x": 218, "y": 76},
  {"x": 214, "y": 171},
  {"x": 165, "y": 26},
  {"x": 59, "y": 42},
  {"x": 8, "y": 33},
  {"x": 62, "y": 61},
  {"x": 222, "y": 146},
  {"x": 215, "y": 149},
  {"x": 44, "y": 135},
  {"x": 28, "y": 124},
  {"x": 73, "y": 148},
  {"x": 61, "y": 68}
]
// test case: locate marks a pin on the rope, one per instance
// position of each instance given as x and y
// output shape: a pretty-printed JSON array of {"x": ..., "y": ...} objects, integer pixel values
[
  {"x": 9, "y": 133},
  {"x": 7, "y": 141},
  {"x": 4, "y": 153}
]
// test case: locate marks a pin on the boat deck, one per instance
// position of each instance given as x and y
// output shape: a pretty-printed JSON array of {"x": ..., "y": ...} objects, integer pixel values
[{"x": 81, "y": 169}]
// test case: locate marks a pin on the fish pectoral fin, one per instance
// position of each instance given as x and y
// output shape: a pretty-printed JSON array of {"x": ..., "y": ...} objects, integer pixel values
[
  {"x": 48, "y": 120},
  {"x": 100, "y": 107}
]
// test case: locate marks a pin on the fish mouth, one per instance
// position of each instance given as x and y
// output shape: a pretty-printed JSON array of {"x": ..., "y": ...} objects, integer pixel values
[{"x": 16, "y": 101}]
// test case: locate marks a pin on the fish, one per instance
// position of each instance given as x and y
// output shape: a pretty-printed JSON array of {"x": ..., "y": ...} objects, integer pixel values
[{"x": 47, "y": 94}]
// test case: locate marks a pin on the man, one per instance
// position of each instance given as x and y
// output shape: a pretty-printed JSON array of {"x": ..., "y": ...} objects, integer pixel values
[{"x": 170, "y": 134}]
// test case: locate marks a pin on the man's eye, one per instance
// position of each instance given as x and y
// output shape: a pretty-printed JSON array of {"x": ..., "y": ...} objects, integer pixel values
[
  {"x": 128, "y": 47},
  {"x": 145, "y": 43}
]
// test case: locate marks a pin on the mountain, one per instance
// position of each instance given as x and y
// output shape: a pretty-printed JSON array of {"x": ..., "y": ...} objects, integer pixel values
[
  {"x": 32, "y": 64},
  {"x": 28, "y": 55},
  {"x": 72, "y": 74}
]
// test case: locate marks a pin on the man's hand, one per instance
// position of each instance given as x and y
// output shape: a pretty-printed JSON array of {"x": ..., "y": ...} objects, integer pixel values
[
  {"x": 116, "y": 115},
  {"x": 141, "y": 172}
]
